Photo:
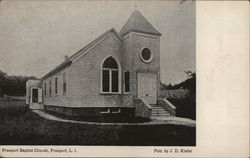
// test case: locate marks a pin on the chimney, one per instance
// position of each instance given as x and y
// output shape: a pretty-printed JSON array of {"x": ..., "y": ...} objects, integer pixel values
[{"x": 66, "y": 58}]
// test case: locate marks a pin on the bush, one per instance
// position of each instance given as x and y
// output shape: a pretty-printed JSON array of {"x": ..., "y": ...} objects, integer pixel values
[
  {"x": 182, "y": 95},
  {"x": 185, "y": 107}
]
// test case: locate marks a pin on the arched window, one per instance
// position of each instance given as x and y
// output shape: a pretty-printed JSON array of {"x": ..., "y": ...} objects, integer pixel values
[{"x": 110, "y": 80}]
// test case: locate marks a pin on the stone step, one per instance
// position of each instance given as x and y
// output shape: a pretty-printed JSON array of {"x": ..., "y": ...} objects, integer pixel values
[
  {"x": 157, "y": 108},
  {"x": 158, "y": 111},
  {"x": 154, "y": 105},
  {"x": 158, "y": 115},
  {"x": 154, "y": 111}
]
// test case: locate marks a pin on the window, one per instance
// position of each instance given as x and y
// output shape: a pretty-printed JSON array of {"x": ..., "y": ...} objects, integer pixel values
[
  {"x": 64, "y": 109},
  {"x": 110, "y": 76},
  {"x": 105, "y": 111},
  {"x": 146, "y": 55},
  {"x": 50, "y": 88},
  {"x": 56, "y": 85},
  {"x": 126, "y": 82},
  {"x": 116, "y": 110},
  {"x": 64, "y": 83},
  {"x": 45, "y": 89},
  {"x": 108, "y": 110}
]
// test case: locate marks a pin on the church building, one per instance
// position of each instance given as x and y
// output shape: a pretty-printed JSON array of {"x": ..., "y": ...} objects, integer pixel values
[{"x": 116, "y": 74}]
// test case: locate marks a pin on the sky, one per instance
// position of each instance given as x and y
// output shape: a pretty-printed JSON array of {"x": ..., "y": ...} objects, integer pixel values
[{"x": 36, "y": 35}]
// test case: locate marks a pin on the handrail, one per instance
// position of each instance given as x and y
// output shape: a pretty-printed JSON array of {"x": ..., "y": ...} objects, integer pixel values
[
  {"x": 144, "y": 101},
  {"x": 142, "y": 108},
  {"x": 170, "y": 104},
  {"x": 167, "y": 105}
]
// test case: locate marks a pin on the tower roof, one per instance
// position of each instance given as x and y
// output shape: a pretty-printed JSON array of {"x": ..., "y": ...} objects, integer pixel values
[{"x": 138, "y": 23}]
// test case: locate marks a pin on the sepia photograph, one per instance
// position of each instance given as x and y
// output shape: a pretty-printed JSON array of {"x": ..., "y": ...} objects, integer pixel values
[
  {"x": 108, "y": 78},
  {"x": 115, "y": 73}
]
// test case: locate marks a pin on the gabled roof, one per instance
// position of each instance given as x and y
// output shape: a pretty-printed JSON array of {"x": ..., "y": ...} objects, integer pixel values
[
  {"x": 58, "y": 68},
  {"x": 82, "y": 52},
  {"x": 138, "y": 23},
  {"x": 112, "y": 30}
]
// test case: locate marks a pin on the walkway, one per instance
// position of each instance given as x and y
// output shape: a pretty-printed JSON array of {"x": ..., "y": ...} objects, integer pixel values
[{"x": 155, "y": 120}]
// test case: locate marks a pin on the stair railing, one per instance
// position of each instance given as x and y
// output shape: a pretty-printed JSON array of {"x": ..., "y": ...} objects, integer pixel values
[
  {"x": 142, "y": 108},
  {"x": 167, "y": 106}
]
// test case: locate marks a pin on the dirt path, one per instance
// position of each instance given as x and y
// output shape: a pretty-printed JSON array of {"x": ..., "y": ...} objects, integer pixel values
[{"x": 155, "y": 120}]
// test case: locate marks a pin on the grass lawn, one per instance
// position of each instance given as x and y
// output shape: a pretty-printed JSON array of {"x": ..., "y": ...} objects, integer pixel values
[{"x": 20, "y": 126}]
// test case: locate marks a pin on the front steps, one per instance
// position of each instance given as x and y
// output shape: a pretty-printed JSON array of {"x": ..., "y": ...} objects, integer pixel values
[{"x": 158, "y": 111}]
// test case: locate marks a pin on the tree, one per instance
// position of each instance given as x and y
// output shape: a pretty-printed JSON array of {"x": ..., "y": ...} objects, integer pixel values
[
  {"x": 189, "y": 83},
  {"x": 13, "y": 85}
]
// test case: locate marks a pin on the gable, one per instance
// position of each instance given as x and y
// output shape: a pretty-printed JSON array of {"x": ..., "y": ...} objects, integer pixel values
[
  {"x": 95, "y": 43},
  {"x": 84, "y": 51}
]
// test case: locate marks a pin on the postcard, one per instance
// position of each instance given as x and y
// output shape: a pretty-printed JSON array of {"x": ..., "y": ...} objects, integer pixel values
[{"x": 124, "y": 78}]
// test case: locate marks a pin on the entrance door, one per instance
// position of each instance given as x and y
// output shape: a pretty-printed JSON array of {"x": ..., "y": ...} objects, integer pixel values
[
  {"x": 34, "y": 95},
  {"x": 147, "y": 87}
]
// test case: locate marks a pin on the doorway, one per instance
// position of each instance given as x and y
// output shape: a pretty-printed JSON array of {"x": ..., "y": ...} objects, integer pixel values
[
  {"x": 34, "y": 95},
  {"x": 147, "y": 87}
]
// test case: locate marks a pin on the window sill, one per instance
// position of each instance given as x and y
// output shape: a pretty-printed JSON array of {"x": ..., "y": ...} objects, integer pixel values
[
  {"x": 110, "y": 92},
  {"x": 127, "y": 93},
  {"x": 105, "y": 112}
]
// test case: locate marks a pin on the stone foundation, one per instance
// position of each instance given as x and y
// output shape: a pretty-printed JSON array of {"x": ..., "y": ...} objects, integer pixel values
[{"x": 91, "y": 112}]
